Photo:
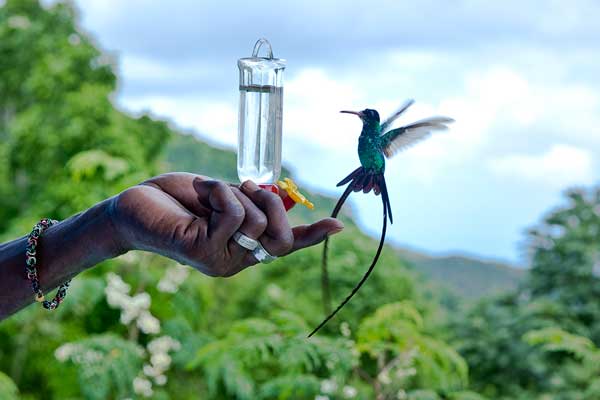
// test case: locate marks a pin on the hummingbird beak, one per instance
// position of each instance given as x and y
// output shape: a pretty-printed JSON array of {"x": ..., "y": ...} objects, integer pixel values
[{"x": 360, "y": 114}]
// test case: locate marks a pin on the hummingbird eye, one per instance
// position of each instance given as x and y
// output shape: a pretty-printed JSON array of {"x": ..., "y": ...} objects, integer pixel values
[{"x": 371, "y": 114}]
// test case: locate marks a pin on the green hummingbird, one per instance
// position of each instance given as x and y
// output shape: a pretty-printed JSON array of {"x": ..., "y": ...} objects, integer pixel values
[{"x": 375, "y": 143}]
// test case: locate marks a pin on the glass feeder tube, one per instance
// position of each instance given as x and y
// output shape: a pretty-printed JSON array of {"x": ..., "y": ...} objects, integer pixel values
[{"x": 260, "y": 116}]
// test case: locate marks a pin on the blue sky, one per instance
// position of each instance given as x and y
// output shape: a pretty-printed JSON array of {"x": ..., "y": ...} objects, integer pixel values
[{"x": 521, "y": 80}]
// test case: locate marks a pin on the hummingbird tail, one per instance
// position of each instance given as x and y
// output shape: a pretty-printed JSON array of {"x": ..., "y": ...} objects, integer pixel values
[
  {"x": 386, "y": 198},
  {"x": 365, "y": 276},
  {"x": 361, "y": 179},
  {"x": 353, "y": 174},
  {"x": 325, "y": 288}
]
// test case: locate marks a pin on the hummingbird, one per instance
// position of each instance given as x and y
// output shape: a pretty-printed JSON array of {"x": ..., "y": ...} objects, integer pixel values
[{"x": 375, "y": 143}]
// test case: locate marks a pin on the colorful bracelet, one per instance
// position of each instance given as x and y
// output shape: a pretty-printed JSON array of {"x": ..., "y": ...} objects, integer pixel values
[{"x": 30, "y": 267}]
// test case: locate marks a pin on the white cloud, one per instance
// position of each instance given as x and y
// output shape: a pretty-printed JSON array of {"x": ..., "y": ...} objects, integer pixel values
[
  {"x": 216, "y": 120},
  {"x": 562, "y": 165},
  {"x": 313, "y": 101}
]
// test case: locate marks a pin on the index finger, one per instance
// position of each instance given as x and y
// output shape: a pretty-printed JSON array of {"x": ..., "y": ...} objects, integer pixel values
[
  {"x": 310, "y": 235},
  {"x": 307, "y": 235},
  {"x": 227, "y": 212}
]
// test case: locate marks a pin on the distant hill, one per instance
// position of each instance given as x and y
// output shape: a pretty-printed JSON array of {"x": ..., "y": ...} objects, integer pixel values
[{"x": 468, "y": 277}]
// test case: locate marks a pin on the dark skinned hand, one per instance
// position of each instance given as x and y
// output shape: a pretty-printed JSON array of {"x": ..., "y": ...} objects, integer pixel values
[{"x": 191, "y": 219}]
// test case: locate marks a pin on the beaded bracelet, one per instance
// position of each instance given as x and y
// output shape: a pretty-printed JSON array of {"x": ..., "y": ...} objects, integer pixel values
[{"x": 30, "y": 267}]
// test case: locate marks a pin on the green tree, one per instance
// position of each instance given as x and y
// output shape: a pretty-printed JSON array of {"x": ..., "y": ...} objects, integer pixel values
[
  {"x": 66, "y": 145},
  {"x": 566, "y": 259},
  {"x": 561, "y": 292},
  {"x": 581, "y": 379}
]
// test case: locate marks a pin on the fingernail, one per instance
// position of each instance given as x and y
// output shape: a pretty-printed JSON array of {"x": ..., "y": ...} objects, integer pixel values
[
  {"x": 196, "y": 183},
  {"x": 337, "y": 229},
  {"x": 249, "y": 185}
]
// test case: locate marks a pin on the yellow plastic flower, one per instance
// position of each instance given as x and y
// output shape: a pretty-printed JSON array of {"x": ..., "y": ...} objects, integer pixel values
[{"x": 292, "y": 190}]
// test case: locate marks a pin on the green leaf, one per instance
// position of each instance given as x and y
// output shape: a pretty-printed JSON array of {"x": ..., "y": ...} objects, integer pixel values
[{"x": 8, "y": 389}]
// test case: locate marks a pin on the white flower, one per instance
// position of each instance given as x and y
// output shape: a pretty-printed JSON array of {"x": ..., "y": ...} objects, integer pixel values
[
  {"x": 89, "y": 357},
  {"x": 328, "y": 386},
  {"x": 114, "y": 298},
  {"x": 65, "y": 351},
  {"x": 150, "y": 371},
  {"x": 173, "y": 278},
  {"x": 142, "y": 386},
  {"x": 163, "y": 344},
  {"x": 166, "y": 286},
  {"x": 160, "y": 361},
  {"x": 160, "y": 380},
  {"x": 116, "y": 283},
  {"x": 349, "y": 392},
  {"x": 130, "y": 258},
  {"x": 384, "y": 378},
  {"x": 133, "y": 308},
  {"x": 148, "y": 323},
  {"x": 274, "y": 291},
  {"x": 345, "y": 329},
  {"x": 403, "y": 373},
  {"x": 141, "y": 301}
]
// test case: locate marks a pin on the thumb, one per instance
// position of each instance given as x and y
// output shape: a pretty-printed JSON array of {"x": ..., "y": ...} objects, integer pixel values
[{"x": 309, "y": 235}]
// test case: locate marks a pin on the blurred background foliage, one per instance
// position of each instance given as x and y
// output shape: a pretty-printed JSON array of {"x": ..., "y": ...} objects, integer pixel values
[{"x": 141, "y": 326}]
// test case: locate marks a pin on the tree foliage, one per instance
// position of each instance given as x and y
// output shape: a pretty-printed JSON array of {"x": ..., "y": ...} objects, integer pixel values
[
  {"x": 560, "y": 295},
  {"x": 141, "y": 326}
]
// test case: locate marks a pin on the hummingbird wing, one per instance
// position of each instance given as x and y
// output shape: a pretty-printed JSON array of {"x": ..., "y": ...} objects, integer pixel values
[
  {"x": 386, "y": 124},
  {"x": 398, "y": 139}
]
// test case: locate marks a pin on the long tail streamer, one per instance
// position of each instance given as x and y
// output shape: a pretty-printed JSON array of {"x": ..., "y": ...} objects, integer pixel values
[
  {"x": 326, "y": 293},
  {"x": 386, "y": 207}
]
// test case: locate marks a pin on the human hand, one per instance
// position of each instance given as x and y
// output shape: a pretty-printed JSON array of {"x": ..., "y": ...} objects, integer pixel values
[{"x": 191, "y": 219}]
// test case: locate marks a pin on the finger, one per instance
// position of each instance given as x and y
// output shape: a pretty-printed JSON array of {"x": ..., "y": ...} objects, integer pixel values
[
  {"x": 282, "y": 193},
  {"x": 255, "y": 221},
  {"x": 179, "y": 185},
  {"x": 254, "y": 225},
  {"x": 306, "y": 236},
  {"x": 278, "y": 238},
  {"x": 227, "y": 212},
  {"x": 309, "y": 235}
]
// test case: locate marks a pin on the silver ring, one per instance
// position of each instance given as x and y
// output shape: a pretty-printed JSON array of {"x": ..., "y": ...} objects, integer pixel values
[
  {"x": 262, "y": 255},
  {"x": 245, "y": 241}
]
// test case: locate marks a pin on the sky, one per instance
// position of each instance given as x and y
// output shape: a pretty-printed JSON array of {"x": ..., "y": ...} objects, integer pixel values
[{"x": 521, "y": 81}]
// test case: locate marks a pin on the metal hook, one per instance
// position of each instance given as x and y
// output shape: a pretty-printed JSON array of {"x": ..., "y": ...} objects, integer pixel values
[{"x": 258, "y": 45}]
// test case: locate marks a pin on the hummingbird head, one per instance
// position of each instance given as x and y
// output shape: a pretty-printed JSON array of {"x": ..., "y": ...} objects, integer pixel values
[{"x": 367, "y": 115}]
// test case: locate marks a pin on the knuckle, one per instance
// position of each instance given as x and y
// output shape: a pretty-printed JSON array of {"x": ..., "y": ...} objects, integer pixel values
[
  {"x": 155, "y": 180},
  {"x": 285, "y": 242},
  {"x": 288, "y": 243},
  {"x": 271, "y": 200},
  {"x": 230, "y": 204},
  {"x": 259, "y": 221},
  {"x": 126, "y": 201},
  {"x": 236, "y": 211},
  {"x": 219, "y": 186}
]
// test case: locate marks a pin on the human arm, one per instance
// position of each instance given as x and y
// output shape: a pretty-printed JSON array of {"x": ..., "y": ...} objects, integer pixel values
[{"x": 186, "y": 217}]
